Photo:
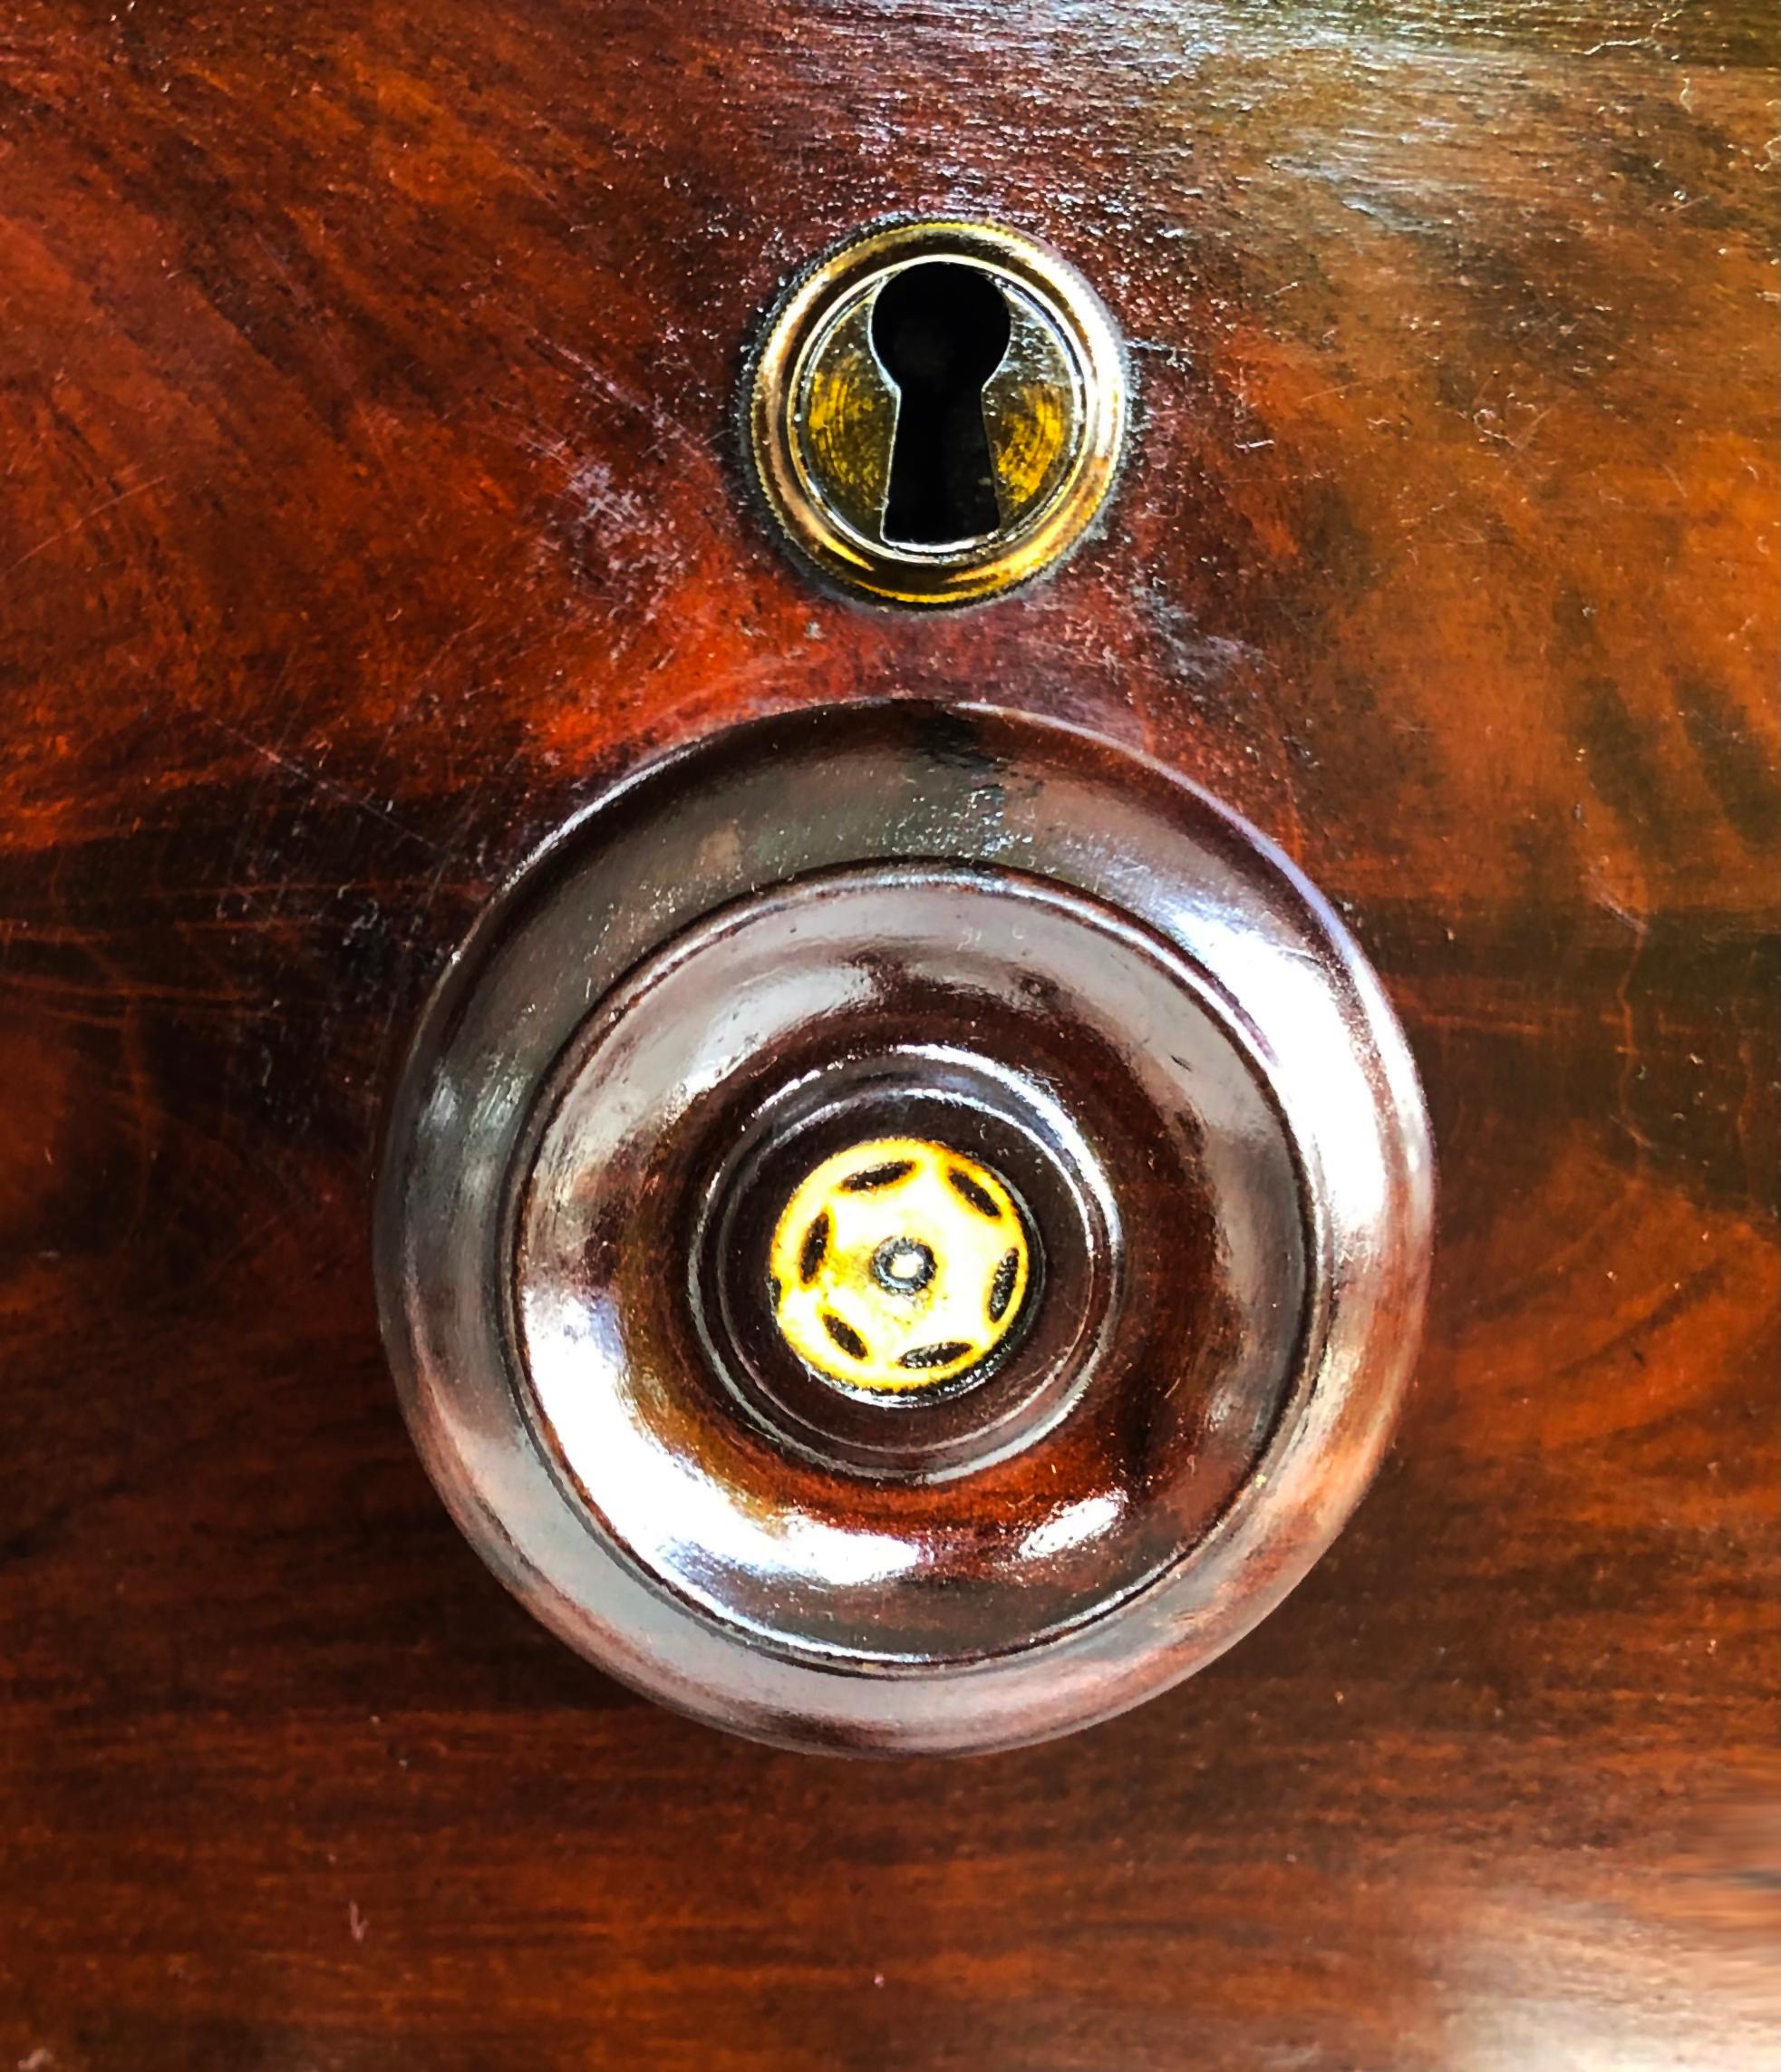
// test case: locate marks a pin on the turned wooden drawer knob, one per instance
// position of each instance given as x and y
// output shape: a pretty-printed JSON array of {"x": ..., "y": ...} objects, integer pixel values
[{"x": 904, "y": 1229}]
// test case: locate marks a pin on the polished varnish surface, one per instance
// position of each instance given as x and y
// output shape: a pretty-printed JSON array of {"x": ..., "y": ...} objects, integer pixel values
[{"x": 372, "y": 496}]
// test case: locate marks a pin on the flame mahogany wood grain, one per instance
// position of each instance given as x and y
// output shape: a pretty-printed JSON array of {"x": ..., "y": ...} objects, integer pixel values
[{"x": 372, "y": 497}]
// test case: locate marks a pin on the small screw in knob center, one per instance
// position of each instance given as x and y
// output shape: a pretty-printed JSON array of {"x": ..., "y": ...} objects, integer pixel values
[{"x": 902, "y": 1266}]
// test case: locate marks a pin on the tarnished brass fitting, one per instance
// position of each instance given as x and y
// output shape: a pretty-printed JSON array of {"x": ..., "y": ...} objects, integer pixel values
[{"x": 937, "y": 412}]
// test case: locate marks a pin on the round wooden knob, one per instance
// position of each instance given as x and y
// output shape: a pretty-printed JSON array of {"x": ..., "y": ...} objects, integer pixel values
[{"x": 904, "y": 1229}]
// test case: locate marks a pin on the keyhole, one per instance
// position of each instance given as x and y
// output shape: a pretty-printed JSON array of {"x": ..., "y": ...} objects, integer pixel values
[{"x": 940, "y": 332}]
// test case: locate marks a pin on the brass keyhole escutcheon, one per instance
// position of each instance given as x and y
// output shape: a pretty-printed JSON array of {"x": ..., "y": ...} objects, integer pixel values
[
  {"x": 898, "y": 1265},
  {"x": 937, "y": 413}
]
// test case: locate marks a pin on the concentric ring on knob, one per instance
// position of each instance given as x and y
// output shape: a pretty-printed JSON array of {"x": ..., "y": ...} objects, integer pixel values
[{"x": 888, "y": 924}]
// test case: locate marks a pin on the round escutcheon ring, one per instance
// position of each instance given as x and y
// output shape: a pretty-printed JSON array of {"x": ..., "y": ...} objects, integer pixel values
[
  {"x": 820, "y": 419},
  {"x": 1059, "y": 967}
]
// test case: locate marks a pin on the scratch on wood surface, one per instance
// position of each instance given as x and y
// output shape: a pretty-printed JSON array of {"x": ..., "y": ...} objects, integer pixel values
[
  {"x": 327, "y": 786},
  {"x": 86, "y": 519}
]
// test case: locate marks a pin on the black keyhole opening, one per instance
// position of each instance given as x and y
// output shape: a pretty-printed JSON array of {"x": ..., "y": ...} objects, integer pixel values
[{"x": 940, "y": 331}]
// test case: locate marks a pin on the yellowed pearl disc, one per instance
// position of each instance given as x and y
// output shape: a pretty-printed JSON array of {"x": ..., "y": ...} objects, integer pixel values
[{"x": 897, "y": 1264}]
